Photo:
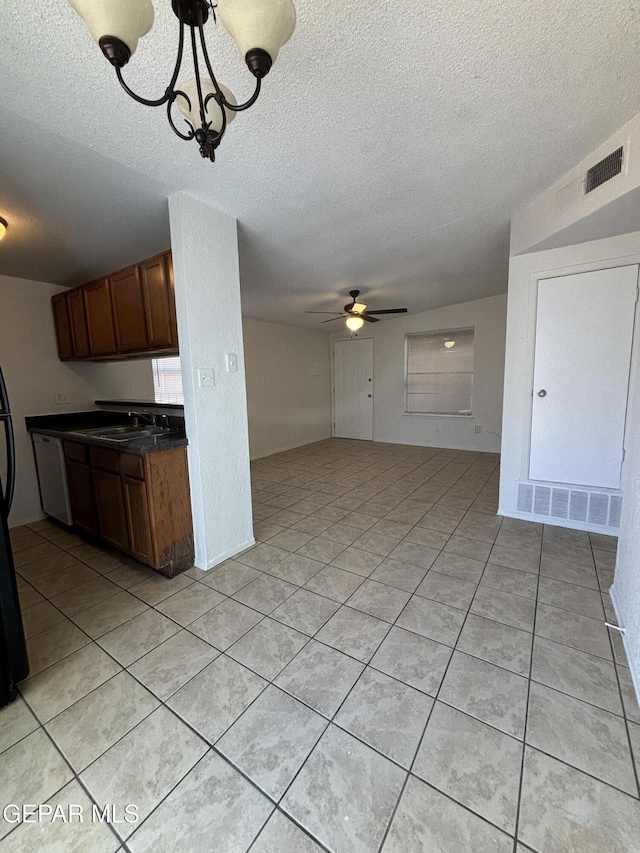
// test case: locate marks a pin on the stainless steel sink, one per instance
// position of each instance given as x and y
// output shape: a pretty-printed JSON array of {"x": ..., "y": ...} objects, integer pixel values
[{"x": 126, "y": 433}]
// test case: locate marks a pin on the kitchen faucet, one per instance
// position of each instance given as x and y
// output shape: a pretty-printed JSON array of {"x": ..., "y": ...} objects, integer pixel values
[{"x": 143, "y": 414}]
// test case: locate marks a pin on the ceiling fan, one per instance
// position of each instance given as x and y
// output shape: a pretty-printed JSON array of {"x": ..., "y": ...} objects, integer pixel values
[{"x": 357, "y": 313}]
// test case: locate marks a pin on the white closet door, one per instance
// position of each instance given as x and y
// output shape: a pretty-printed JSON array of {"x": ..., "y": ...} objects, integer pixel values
[
  {"x": 584, "y": 332},
  {"x": 353, "y": 388}
]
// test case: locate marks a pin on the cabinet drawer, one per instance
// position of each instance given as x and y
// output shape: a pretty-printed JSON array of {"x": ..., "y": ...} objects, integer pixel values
[
  {"x": 132, "y": 466},
  {"x": 75, "y": 451},
  {"x": 105, "y": 459}
]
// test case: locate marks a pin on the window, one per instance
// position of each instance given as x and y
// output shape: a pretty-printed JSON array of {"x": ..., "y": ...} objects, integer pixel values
[
  {"x": 439, "y": 373},
  {"x": 167, "y": 380}
]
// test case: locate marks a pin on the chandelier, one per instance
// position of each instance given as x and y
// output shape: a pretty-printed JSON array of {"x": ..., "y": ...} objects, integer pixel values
[{"x": 259, "y": 28}]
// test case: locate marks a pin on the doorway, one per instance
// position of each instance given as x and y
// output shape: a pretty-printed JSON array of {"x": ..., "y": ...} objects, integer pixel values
[{"x": 353, "y": 389}]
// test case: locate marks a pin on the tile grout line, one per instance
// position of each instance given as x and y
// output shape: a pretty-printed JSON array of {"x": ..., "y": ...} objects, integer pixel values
[{"x": 526, "y": 716}]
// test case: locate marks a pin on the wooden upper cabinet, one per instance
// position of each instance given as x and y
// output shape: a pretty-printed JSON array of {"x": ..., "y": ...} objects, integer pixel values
[
  {"x": 78, "y": 319},
  {"x": 63, "y": 326},
  {"x": 97, "y": 300},
  {"x": 156, "y": 275},
  {"x": 128, "y": 311}
]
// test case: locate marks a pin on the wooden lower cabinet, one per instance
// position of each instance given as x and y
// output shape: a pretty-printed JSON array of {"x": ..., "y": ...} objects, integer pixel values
[
  {"x": 139, "y": 504},
  {"x": 112, "y": 521},
  {"x": 81, "y": 496},
  {"x": 138, "y": 519}
]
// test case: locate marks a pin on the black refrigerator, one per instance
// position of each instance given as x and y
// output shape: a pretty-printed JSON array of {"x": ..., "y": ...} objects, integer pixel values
[{"x": 14, "y": 664}]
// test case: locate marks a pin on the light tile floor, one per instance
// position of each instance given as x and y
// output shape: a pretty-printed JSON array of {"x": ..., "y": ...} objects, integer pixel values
[{"x": 393, "y": 667}]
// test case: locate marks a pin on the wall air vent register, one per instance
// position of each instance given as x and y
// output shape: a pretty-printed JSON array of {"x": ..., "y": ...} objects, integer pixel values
[{"x": 603, "y": 171}]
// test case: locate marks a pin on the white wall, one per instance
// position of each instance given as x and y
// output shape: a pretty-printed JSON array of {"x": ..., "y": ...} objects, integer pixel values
[
  {"x": 524, "y": 272},
  {"x": 390, "y": 424},
  {"x": 625, "y": 591},
  {"x": 204, "y": 242},
  {"x": 33, "y": 373},
  {"x": 288, "y": 386}
]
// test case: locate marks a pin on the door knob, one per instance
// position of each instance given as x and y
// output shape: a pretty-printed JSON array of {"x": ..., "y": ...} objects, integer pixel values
[
  {"x": 369, "y": 395},
  {"x": 542, "y": 393}
]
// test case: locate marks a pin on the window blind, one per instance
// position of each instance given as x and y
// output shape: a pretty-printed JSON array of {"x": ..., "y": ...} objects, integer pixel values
[
  {"x": 439, "y": 372},
  {"x": 167, "y": 380}
]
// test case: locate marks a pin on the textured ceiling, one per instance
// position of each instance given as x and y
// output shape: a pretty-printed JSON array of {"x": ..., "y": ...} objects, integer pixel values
[{"x": 391, "y": 145}]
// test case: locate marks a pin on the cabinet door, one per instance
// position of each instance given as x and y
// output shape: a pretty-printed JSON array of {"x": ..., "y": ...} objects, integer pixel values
[
  {"x": 112, "y": 520},
  {"x": 83, "y": 506},
  {"x": 159, "y": 302},
  {"x": 63, "y": 326},
  {"x": 128, "y": 311},
  {"x": 138, "y": 518},
  {"x": 78, "y": 318},
  {"x": 97, "y": 300}
]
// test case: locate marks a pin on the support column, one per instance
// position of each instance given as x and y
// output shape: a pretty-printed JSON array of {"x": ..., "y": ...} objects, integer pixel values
[{"x": 204, "y": 244}]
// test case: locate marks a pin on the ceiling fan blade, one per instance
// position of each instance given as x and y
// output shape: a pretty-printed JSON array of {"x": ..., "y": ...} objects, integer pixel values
[
  {"x": 389, "y": 311},
  {"x": 368, "y": 318},
  {"x": 323, "y": 312},
  {"x": 333, "y": 318}
]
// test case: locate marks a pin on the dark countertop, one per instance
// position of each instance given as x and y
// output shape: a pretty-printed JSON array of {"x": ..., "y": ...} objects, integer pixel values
[{"x": 66, "y": 426}]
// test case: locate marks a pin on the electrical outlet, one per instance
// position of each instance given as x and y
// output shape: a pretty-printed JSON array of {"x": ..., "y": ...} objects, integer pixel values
[
  {"x": 477, "y": 429},
  {"x": 205, "y": 377},
  {"x": 60, "y": 398}
]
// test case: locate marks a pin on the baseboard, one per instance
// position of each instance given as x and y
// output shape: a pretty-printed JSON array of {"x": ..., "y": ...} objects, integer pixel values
[
  {"x": 233, "y": 552},
  {"x": 17, "y": 522},
  {"x": 635, "y": 674},
  {"x": 289, "y": 447}
]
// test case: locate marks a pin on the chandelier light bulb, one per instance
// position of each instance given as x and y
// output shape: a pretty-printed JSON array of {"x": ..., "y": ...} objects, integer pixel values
[{"x": 355, "y": 323}]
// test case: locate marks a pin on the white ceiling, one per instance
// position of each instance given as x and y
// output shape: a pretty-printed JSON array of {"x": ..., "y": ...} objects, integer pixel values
[{"x": 389, "y": 149}]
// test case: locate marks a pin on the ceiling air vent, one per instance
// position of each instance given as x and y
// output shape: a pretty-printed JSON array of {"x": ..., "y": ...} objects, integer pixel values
[{"x": 604, "y": 170}]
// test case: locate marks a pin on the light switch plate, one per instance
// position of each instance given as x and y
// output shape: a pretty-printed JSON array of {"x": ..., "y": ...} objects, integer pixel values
[
  {"x": 205, "y": 377},
  {"x": 232, "y": 362},
  {"x": 60, "y": 398}
]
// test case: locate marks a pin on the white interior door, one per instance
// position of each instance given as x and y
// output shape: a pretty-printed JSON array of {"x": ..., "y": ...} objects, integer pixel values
[
  {"x": 584, "y": 332},
  {"x": 353, "y": 388}
]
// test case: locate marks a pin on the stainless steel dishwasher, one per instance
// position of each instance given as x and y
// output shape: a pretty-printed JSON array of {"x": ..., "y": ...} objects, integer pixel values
[{"x": 52, "y": 477}]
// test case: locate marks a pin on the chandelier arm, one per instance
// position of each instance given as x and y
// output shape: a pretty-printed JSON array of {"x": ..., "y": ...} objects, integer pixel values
[
  {"x": 196, "y": 68},
  {"x": 185, "y": 136},
  {"x": 169, "y": 93},
  {"x": 237, "y": 108},
  {"x": 218, "y": 136},
  {"x": 207, "y": 61},
  {"x": 222, "y": 101}
]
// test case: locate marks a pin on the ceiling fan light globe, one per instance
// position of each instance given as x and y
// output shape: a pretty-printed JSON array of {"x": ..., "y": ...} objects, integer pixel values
[
  {"x": 354, "y": 323},
  {"x": 126, "y": 20},
  {"x": 258, "y": 24},
  {"x": 213, "y": 110}
]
